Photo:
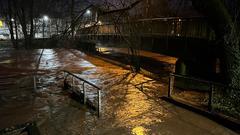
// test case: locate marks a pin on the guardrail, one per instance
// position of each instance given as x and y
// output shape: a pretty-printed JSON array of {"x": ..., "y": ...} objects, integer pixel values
[
  {"x": 211, "y": 85},
  {"x": 67, "y": 73},
  {"x": 180, "y": 27},
  {"x": 34, "y": 74}
]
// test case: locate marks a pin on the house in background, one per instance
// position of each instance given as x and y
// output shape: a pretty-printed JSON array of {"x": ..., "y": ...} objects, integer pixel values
[{"x": 4, "y": 32}]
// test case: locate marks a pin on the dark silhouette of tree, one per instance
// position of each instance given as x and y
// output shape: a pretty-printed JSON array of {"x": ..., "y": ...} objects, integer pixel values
[{"x": 223, "y": 16}]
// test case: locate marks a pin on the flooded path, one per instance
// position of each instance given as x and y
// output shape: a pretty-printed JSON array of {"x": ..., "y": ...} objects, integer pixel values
[{"x": 126, "y": 108}]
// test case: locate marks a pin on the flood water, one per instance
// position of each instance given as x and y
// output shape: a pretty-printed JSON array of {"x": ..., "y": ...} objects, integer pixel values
[{"x": 126, "y": 108}]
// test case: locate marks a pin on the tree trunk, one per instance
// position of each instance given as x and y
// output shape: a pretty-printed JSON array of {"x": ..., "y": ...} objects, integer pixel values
[
  {"x": 227, "y": 36},
  {"x": 72, "y": 18},
  {"x": 16, "y": 29},
  {"x": 10, "y": 16},
  {"x": 30, "y": 38}
]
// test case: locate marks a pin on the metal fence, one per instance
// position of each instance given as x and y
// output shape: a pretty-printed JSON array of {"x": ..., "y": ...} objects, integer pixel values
[
  {"x": 179, "y": 27},
  {"x": 84, "y": 89},
  {"x": 195, "y": 91}
]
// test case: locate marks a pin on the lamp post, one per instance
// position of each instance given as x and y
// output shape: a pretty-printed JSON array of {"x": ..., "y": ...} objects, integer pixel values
[
  {"x": 89, "y": 14},
  {"x": 44, "y": 19}
]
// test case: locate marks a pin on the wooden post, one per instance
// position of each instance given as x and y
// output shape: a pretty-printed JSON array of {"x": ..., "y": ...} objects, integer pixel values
[
  {"x": 171, "y": 85},
  {"x": 99, "y": 103},
  {"x": 210, "y": 100}
]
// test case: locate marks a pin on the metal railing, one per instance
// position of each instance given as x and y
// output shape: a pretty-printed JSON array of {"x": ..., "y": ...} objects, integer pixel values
[
  {"x": 84, "y": 82},
  {"x": 211, "y": 87},
  {"x": 34, "y": 74},
  {"x": 180, "y": 27}
]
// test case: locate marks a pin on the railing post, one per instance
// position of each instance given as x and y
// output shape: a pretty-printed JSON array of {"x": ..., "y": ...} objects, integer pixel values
[
  {"x": 210, "y": 100},
  {"x": 72, "y": 83},
  {"x": 171, "y": 85},
  {"x": 84, "y": 94},
  {"x": 34, "y": 83},
  {"x": 142, "y": 87},
  {"x": 64, "y": 74},
  {"x": 99, "y": 103}
]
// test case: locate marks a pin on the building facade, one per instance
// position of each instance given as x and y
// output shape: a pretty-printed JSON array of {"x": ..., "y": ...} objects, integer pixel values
[{"x": 4, "y": 32}]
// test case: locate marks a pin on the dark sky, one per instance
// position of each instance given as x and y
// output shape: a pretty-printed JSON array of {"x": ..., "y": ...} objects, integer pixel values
[{"x": 61, "y": 8}]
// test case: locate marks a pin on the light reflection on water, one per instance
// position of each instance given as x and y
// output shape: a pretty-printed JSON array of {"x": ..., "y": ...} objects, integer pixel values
[
  {"x": 85, "y": 63},
  {"x": 49, "y": 60},
  {"x": 139, "y": 131}
]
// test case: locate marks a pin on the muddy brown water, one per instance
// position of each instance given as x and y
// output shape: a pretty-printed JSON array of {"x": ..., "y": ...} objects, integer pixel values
[{"x": 126, "y": 109}]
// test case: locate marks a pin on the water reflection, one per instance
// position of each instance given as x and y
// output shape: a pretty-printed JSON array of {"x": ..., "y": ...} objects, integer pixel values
[
  {"x": 139, "y": 131},
  {"x": 49, "y": 60}
]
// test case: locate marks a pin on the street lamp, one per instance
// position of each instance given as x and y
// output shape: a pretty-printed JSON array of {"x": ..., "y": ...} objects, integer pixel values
[
  {"x": 88, "y": 12},
  {"x": 45, "y": 18},
  {"x": 88, "y": 15}
]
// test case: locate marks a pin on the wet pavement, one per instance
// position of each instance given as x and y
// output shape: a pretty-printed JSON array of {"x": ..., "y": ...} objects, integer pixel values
[{"x": 126, "y": 107}]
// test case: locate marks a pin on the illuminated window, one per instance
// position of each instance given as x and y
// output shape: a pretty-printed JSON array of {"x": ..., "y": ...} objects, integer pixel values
[{"x": 1, "y": 24}]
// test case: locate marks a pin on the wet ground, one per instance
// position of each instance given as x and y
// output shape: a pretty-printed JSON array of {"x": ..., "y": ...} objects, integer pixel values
[
  {"x": 126, "y": 108},
  {"x": 155, "y": 63}
]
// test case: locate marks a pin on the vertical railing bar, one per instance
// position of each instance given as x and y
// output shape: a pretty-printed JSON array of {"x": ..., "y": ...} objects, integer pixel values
[
  {"x": 210, "y": 100},
  {"x": 64, "y": 75},
  {"x": 72, "y": 83},
  {"x": 99, "y": 103},
  {"x": 84, "y": 94},
  {"x": 171, "y": 85},
  {"x": 34, "y": 83}
]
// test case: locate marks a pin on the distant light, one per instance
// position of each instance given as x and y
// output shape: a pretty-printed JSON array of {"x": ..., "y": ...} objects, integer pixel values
[
  {"x": 88, "y": 12},
  {"x": 45, "y": 18},
  {"x": 88, "y": 25},
  {"x": 12, "y": 20},
  {"x": 1, "y": 23},
  {"x": 99, "y": 23},
  {"x": 179, "y": 20}
]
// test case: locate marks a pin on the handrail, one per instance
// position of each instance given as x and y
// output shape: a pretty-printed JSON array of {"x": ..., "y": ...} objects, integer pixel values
[
  {"x": 81, "y": 79},
  {"x": 197, "y": 79},
  {"x": 84, "y": 91},
  {"x": 210, "y": 83}
]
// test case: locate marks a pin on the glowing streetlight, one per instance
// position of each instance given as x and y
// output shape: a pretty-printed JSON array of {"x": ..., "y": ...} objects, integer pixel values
[
  {"x": 45, "y": 18},
  {"x": 99, "y": 23},
  {"x": 88, "y": 12}
]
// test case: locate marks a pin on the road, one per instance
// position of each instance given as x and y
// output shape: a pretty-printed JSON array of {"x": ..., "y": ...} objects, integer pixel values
[{"x": 126, "y": 109}]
